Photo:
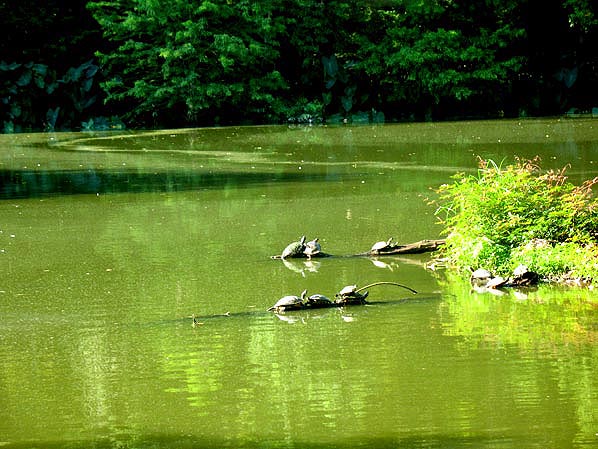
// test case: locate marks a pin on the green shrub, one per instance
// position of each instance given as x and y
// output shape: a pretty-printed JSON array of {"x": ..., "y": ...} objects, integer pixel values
[{"x": 504, "y": 216}]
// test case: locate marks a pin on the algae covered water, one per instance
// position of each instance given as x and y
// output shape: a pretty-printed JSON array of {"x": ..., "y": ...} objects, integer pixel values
[{"x": 109, "y": 243}]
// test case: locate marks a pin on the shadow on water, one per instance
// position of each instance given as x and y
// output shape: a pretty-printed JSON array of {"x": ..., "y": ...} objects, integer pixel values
[
  {"x": 34, "y": 184},
  {"x": 428, "y": 441}
]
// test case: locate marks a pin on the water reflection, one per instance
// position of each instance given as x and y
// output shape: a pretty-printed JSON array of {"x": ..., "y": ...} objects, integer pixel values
[
  {"x": 39, "y": 183},
  {"x": 530, "y": 318},
  {"x": 544, "y": 323},
  {"x": 385, "y": 265},
  {"x": 302, "y": 266}
]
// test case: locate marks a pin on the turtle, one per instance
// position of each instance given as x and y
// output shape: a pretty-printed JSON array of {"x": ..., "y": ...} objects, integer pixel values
[
  {"x": 520, "y": 270},
  {"x": 350, "y": 295},
  {"x": 523, "y": 277},
  {"x": 312, "y": 248},
  {"x": 480, "y": 277},
  {"x": 381, "y": 246},
  {"x": 318, "y": 301},
  {"x": 289, "y": 302},
  {"x": 347, "y": 290},
  {"x": 294, "y": 249}
]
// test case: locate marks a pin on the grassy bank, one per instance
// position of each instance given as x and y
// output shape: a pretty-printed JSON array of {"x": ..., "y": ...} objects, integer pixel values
[{"x": 519, "y": 214}]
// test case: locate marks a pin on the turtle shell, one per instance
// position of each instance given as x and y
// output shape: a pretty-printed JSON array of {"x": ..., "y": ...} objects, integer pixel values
[
  {"x": 319, "y": 301},
  {"x": 351, "y": 298},
  {"x": 523, "y": 277},
  {"x": 381, "y": 245},
  {"x": 347, "y": 290},
  {"x": 481, "y": 273},
  {"x": 293, "y": 249},
  {"x": 480, "y": 277},
  {"x": 520, "y": 270},
  {"x": 289, "y": 302},
  {"x": 312, "y": 247}
]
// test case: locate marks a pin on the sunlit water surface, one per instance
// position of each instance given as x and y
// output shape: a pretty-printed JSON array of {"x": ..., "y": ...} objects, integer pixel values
[{"x": 110, "y": 242}]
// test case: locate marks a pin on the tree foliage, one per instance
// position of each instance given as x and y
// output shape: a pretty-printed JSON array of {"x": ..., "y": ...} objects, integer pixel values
[
  {"x": 48, "y": 77},
  {"x": 186, "y": 61},
  {"x": 199, "y": 62},
  {"x": 37, "y": 93},
  {"x": 443, "y": 53}
]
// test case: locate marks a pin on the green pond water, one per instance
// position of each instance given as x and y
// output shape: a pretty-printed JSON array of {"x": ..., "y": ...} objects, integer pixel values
[{"x": 109, "y": 242}]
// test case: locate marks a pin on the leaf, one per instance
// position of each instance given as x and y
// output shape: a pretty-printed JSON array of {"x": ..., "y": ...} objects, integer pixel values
[
  {"x": 90, "y": 101},
  {"x": 87, "y": 84},
  {"x": 91, "y": 70},
  {"x": 52, "y": 116},
  {"x": 74, "y": 73},
  {"x": 50, "y": 88},
  {"x": 347, "y": 103},
  {"x": 378, "y": 117},
  {"x": 40, "y": 69},
  {"x": 9, "y": 67},
  {"x": 15, "y": 110},
  {"x": 25, "y": 78},
  {"x": 87, "y": 126},
  {"x": 330, "y": 66},
  {"x": 39, "y": 81}
]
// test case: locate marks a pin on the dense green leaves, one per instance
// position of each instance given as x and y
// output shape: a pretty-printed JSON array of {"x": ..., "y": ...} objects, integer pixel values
[
  {"x": 505, "y": 216},
  {"x": 259, "y": 59},
  {"x": 190, "y": 61},
  {"x": 181, "y": 63},
  {"x": 37, "y": 94},
  {"x": 48, "y": 77}
]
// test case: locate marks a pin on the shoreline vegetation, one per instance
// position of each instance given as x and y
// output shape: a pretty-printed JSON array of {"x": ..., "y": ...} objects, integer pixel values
[{"x": 507, "y": 216}]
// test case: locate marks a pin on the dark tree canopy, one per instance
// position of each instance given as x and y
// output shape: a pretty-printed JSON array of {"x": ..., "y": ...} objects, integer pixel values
[
  {"x": 186, "y": 63},
  {"x": 47, "y": 64}
]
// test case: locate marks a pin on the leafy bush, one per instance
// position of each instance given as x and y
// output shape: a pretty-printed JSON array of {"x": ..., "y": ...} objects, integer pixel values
[
  {"x": 562, "y": 261},
  {"x": 504, "y": 216},
  {"x": 36, "y": 96}
]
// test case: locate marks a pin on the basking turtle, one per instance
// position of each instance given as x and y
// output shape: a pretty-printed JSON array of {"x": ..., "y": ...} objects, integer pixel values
[
  {"x": 294, "y": 249},
  {"x": 312, "y": 248},
  {"x": 318, "y": 301},
  {"x": 523, "y": 277},
  {"x": 350, "y": 294},
  {"x": 520, "y": 270},
  {"x": 480, "y": 277},
  {"x": 381, "y": 246},
  {"x": 289, "y": 302}
]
